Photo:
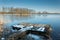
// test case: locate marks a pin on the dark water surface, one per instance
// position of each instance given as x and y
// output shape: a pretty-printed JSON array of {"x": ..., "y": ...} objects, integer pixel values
[{"x": 53, "y": 20}]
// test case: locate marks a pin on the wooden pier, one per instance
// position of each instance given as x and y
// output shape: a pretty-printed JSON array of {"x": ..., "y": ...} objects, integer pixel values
[{"x": 20, "y": 34}]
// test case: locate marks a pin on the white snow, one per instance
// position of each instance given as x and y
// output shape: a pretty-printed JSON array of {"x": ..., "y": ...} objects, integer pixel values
[
  {"x": 41, "y": 29},
  {"x": 19, "y": 26}
]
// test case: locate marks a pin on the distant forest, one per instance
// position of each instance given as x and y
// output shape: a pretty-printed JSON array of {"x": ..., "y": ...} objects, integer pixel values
[{"x": 21, "y": 11}]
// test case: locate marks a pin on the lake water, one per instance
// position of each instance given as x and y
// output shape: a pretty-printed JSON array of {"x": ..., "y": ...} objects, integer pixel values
[{"x": 52, "y": 19}]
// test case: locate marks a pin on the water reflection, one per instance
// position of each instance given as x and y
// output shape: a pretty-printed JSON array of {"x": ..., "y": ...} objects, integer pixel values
[
  {"x": 32, "y": 37},
  {"x": 53, "y": 20}
]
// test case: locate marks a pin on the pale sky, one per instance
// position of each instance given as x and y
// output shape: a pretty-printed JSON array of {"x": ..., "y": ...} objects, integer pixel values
[{"x": 38, "y": 5}]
